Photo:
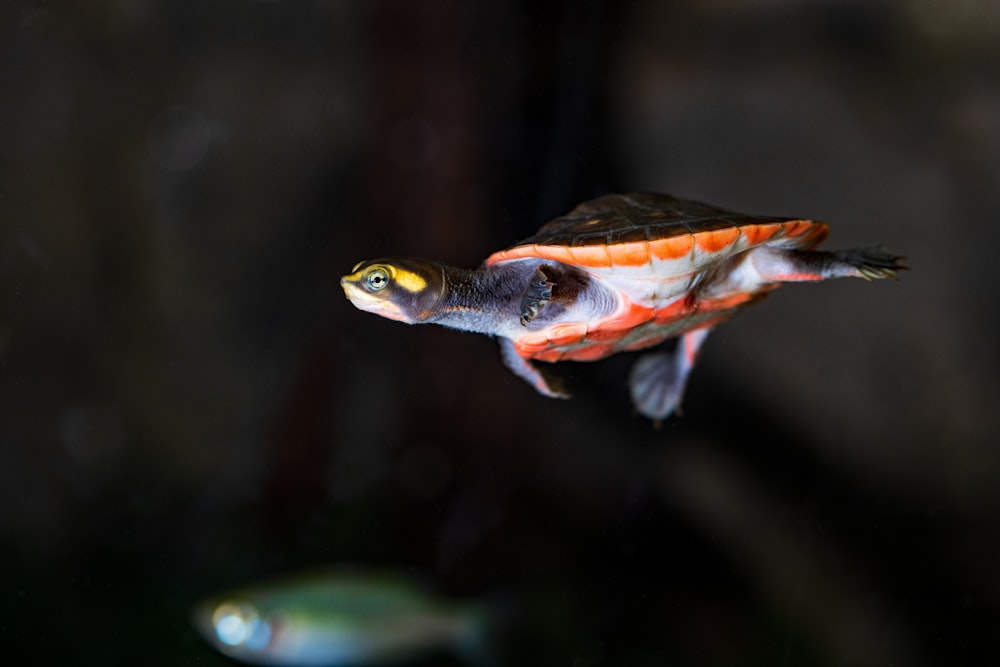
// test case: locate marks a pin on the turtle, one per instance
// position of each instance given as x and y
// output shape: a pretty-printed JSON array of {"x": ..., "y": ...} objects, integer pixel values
[{"x": 620, "y": 273}]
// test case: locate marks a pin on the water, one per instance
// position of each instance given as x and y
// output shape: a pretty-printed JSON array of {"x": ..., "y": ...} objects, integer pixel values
[{"x": 188, "y": 403}]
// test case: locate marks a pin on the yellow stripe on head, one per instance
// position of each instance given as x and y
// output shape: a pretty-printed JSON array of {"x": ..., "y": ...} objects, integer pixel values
[{"x": 408, "y": 280}]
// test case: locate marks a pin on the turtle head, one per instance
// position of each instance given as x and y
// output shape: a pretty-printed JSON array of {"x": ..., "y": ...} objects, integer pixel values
[{"x": 406, "y": 290}]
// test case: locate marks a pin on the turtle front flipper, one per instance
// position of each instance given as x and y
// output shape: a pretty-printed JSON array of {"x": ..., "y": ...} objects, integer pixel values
[
  {"x": 658, "y": 379},
  {"x": 524, "y": 369},
  {"x": 539, "y": 293}
]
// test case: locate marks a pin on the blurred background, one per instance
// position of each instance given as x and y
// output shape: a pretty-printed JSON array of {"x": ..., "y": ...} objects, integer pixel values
[{"x": 188, "y": 403}]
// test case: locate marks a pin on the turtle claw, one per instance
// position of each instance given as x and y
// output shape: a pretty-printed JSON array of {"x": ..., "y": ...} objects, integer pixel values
[
  {"x": 872, "y": 262},
  {"x": 539, "y": 293}
]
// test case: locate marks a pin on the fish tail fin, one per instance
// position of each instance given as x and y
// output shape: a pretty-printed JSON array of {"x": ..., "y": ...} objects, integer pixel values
[
  {"x": 475, "y": 638},
  {"x": 483, "y": 628}
]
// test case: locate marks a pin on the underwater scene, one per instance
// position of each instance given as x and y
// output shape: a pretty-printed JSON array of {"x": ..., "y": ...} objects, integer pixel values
[{"x": 652, "y": 426}]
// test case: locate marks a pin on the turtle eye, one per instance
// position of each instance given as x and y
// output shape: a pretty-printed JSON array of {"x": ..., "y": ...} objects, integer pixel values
[{"x": 376, "y": 279}]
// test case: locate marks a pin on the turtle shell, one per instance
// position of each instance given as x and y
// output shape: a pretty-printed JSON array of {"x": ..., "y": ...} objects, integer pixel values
[
  {"x": 636, "y": 230},
  {"x": 652, "y": 250}
]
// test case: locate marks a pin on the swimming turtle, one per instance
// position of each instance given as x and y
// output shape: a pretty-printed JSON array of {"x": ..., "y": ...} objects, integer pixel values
[{"x": 619, "y": 273}]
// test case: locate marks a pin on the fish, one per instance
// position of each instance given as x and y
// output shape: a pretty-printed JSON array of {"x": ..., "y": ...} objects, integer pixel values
[{"x": 338, "y": 615}]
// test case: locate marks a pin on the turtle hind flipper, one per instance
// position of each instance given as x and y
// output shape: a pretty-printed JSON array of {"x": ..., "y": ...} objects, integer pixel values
[
  {"x": 658, "y": 379},
  {"x": 527, "y": 371},
  {"x": 873, "y": 262},
  {"x": 793, "y": 265}
]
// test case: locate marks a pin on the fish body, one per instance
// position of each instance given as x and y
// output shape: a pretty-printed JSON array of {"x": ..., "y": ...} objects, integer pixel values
[{"x": 337, "y": 617}]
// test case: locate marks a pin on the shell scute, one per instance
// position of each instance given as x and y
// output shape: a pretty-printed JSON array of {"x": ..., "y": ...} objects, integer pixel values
[
  {"x": 674, "y": 311},
  {"x": 717, "y": 240},
  {"x": 550, "y": 355},
  {"x": 567, "y": 334},
  {"x": 606, "y": 334},
  {"x": 590, "y": 255},
  {"x": 643, "y": 343},
  {"x": 554, "y": 252},
  {"x": 637, "y": 229},
  {"x": 629, "y": 254},
  {"x": 673, "y": 247},
  {"x": 760, "y": 233},
  {"x": 725, "y": 303},
  {"x": 627, "y": 235},
  {"x": 591, "y": 352},
  {"x": 533, "y": 343},
  {"x": 796, "y": 228}
]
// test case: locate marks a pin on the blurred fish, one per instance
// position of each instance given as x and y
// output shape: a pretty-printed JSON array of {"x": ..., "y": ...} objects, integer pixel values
[{"x": 341, "y": 616}]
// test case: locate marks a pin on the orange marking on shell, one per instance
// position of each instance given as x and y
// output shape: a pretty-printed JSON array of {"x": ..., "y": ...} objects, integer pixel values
[
  {"x": 591, "y": 352},
  {"x": 817, "y": 232},
  {"x": 556, "y": 253},
  {"x": 567, "y": 334},
  {"x": 673, "y": 247},
  {"x": 717, "y": 240},
  {"x": 675, "y": 311},
  {"x": 528, "y": 344},
  {"x": 726, "y": 302},
  {"x": 590, "y": 255},
  {"x": 629, "y": 254},
  {"x": 796, "y": 227},
  {"x": 605, "y": 334},
  {"x": 551, "y": 355},
  {"x": 756, "y": 234},
  {"x": 643, "y": 343},
  {"x": 498, "y": 256},
  {"x": 633, "y": 315}
]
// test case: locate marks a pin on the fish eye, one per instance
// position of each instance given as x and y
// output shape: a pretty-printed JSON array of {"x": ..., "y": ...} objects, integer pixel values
[
  {"x": 239, "y": 624},
  {"x": 376, "y": 279}
]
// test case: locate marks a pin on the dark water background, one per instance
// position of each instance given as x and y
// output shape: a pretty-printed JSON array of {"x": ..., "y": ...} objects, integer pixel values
[{"x": 187, "y": 401}]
